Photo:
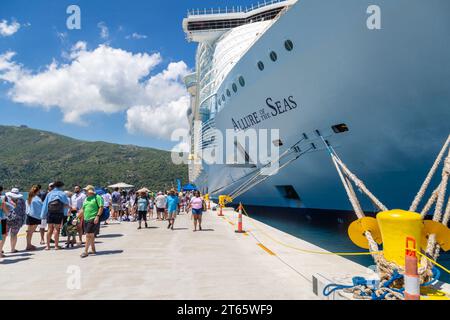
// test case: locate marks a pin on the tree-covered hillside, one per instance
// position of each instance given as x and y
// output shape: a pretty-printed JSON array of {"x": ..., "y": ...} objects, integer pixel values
[{"x": 29, "y": 156}]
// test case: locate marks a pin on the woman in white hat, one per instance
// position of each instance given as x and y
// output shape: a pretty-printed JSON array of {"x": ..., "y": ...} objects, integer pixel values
[{"x": 16, "y": 218}]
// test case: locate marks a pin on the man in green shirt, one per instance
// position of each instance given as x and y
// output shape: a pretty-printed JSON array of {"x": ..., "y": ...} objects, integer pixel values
[{"x": 91, "y": 211}]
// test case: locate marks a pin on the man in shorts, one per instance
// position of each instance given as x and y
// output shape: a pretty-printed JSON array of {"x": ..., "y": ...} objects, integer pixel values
[
  {"x": 107, "y": 205},
  {"x": 160, "y": 202},
  {"x": 92, "y": 211},
  {"x": 55, "y": 210},
  {"x": 77, "y": 201},
  {"x": 116, "y": 202},
  {"x": 172, "y": 208}
]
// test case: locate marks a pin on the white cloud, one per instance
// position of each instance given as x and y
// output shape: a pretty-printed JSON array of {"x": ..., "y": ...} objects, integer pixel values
[
  {"x": 136, "y": 36},
  {"x": 104, "y": 31},
  {"x": 105, "y": 80},
  {"x": 7, "y": 30},
  {"x": 159, "y": 119}
]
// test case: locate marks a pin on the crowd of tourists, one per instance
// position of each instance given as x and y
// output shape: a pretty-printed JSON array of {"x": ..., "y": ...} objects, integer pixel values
[{"x": 79, "y": 213}]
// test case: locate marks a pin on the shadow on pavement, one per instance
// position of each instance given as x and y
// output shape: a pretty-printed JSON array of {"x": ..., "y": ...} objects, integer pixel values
[
  {"x": 108, "y": 252},
  {"x": 25, "y": 254},
  {"x": 179, "y": 229},
  {"x": 9, "y": 261},
  {"x": 107, "y": 236},
  {"x": 207, "y": 230}
]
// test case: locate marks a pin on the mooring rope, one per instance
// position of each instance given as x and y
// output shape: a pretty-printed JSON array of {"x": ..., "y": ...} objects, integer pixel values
[{"x": 430, "y": 175}]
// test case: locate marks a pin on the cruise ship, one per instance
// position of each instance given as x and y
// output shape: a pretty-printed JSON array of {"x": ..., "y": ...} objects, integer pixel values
[{"x": 371, "y": 78}]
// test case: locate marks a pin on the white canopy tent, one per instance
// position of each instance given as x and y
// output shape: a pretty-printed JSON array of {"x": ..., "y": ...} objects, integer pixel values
[{"x": 121, "y": 185}]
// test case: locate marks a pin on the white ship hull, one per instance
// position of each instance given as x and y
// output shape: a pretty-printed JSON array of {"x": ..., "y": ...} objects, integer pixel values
[{"x": 391, "y": 87}]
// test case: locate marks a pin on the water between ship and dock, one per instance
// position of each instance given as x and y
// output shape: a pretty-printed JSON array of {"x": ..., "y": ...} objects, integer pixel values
[{"x": 326, "y": 230}]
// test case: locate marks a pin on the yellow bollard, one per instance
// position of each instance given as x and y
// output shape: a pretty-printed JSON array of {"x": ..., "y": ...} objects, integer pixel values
[{"x": 395, "y": 227}]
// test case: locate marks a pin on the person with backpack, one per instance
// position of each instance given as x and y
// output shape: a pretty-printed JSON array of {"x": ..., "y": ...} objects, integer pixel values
[
  {"x": 91, "y": 212},
  {"x": 55, "y": 210},
  {"x": 142, "y": 204}
]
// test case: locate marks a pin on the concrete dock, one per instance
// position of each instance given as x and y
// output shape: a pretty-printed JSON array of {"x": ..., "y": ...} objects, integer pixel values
[{"x": 158, "y": 263}]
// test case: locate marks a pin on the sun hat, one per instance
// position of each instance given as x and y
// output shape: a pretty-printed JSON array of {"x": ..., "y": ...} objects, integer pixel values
[
  {"x": 90, "y": 188},
  {"x": 14, "y": 194}
]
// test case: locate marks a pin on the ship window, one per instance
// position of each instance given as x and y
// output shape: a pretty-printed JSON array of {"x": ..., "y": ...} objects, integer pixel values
[
  {"x": 261, "y": 65},
  {"x": 288, "y": 192},
  {"x": 340, "y": 128},
  {"x": 223, "y": 98},
  {"x": 241, "y": 81},
  {"x": 243, "y": 152},
  {"x": 228, "y": 93},
  {"x": 278, "y": 143},
  {"x": 234, "y": 87},
  {"x": 288, "y": 45},
  {"x": 273, "y": 56}
]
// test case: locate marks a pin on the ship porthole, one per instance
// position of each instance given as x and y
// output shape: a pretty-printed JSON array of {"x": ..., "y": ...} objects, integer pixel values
[
  {"x": 223, "y": 98},
  {"x": 241, "y": 81},
  {"x": 261, "y": 65},
  {"x": 234, "y": 86},
  {"x": 289, "y": 45},
  {"x": 228, "y": 93},
  {"x": 273, "y": 56}
]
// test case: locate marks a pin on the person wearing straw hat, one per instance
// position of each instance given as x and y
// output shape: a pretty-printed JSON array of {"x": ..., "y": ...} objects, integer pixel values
[
  {"x": 91, "y": 211},
  {"x": 17, "y": 216},
  {"x": 55, "y": 209},
  {"x": 141, "y": 205}
]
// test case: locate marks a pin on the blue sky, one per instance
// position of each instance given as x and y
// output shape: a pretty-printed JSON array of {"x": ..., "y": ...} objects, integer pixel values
[{"x": 43, "y": 38}]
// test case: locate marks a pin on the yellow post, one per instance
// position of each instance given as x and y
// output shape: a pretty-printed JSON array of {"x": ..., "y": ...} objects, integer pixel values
[{"x": 395, "y": 227}]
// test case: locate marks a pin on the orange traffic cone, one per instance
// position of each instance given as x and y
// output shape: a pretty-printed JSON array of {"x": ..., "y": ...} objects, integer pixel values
[
  {"x": 412, "y": 279},
  {"x": 239, "y": 224}
]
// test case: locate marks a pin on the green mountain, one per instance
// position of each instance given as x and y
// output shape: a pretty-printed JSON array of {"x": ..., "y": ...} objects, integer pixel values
[{"x": 29, "y": 156}]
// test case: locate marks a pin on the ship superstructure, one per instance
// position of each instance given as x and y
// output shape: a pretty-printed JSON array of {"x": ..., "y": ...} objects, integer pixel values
[{"x": 322, "y": 72}]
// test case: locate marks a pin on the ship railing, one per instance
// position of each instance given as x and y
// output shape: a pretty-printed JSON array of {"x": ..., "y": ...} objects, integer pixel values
[
  {"x": 262, "y": 32},
  {"x": 233, "y": 9}
]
